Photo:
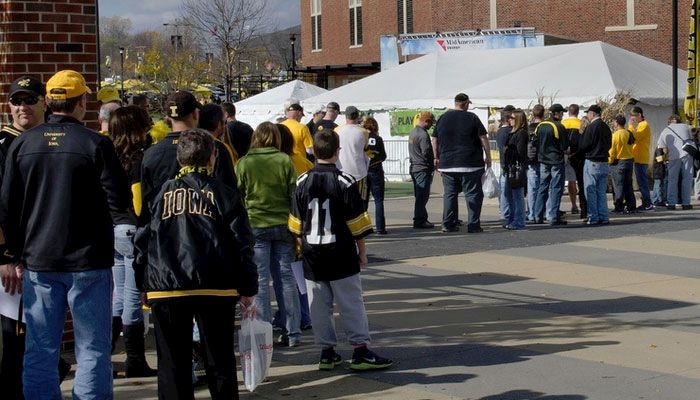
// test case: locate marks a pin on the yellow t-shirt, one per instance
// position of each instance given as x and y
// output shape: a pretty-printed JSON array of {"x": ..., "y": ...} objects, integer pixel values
[
  {"x": 642, "y": 136},
  {"x": 620, "y": 150},
  {"x": 301, "y": 163},
  {"x": 301, "y": 134}
]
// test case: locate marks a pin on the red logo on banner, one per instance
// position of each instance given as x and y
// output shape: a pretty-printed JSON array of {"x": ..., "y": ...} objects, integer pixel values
[{"x": 441, "y": 43}]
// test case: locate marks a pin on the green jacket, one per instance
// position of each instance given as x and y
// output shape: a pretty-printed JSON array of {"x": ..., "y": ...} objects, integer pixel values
[{"x": 266, "y": 179}]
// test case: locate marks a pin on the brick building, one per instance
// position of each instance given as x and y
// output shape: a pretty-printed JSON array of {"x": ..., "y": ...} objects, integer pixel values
[
  {"x": 40, "y": 37},
  {"x": 331, "y": 28}
]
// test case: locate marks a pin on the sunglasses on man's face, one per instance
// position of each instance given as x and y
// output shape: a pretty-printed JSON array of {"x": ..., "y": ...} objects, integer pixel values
[{"x": 29, "y": 100}]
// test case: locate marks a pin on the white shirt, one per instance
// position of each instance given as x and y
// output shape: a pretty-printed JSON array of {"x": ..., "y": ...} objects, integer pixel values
[
  {"x": 673, "y": 143},
  {"x": 353, "y": 160}
]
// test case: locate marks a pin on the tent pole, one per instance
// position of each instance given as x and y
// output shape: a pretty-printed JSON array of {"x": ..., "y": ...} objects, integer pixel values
[{"x": 674, "y": 52}]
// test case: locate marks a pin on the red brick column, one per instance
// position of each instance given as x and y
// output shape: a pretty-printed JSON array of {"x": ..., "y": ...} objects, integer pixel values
[{"x": 41, "y": 37}]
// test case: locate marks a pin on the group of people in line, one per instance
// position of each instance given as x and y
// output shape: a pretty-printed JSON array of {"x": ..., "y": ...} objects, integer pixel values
[
  {"x": 201, "y": 212},
  {"x": 538, "y": 155},
  {"x": 198, "y": 217}
]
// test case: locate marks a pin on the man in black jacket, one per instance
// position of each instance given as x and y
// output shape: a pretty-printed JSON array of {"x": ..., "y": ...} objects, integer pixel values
[
  {"x": 197, "y": 253},
  {"x": 60, "y": 183},
  {"x": 595, "y": 144},
  {"x": 159, "y": 161},
  {"x": 552, "y": 142},
  {"x": 420, "y": 153}
]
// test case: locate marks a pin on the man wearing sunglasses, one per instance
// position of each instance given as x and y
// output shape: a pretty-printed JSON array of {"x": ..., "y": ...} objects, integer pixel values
[{"x": 27, "y": 108}]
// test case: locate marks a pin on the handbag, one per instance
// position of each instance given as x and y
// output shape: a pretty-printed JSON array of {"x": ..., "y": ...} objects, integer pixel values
[
  {"x": 515, "y": 170},
  {"x": 689, "y": 145}
]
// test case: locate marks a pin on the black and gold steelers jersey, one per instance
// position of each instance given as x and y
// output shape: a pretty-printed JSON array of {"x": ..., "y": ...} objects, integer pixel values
[{"x": 329, "y": 215}]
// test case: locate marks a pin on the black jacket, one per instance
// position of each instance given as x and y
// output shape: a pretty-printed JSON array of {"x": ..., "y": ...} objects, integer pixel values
[
  {"x": 375, "y": 146},
  {"x": 596, "y": 141},
  {"x": 160, "y": 164},
  {"x": 61, "y": 182},
  {"x": 552, "y": 141},
  {"x": 198, "y": 242}
]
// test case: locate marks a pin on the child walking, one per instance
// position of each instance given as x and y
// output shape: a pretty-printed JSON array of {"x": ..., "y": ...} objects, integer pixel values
[{"x": 328, "y": 215}]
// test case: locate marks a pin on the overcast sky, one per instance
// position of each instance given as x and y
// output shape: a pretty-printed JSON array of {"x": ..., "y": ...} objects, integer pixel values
[{"x": 151, "y": 14}]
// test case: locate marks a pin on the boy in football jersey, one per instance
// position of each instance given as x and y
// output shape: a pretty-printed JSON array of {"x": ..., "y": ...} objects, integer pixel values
[{"x": 329, "y": 218}]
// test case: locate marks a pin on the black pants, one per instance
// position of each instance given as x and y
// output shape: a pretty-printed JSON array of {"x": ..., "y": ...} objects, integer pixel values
[
  {"x": 623, "y": 192},
  {"x": 577, "y": 165},
  {"x": 173, "y": 330},
  {"x": 12, "y": 360}
]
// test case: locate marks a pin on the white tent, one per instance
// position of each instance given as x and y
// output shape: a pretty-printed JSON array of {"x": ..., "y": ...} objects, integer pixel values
[
  {"x": 573, "y": 73},
  {"x": 269, "y": 104},
  {"x": 580, "y": 73}
]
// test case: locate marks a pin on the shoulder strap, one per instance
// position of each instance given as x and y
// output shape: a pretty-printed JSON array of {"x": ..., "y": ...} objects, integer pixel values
[{"x": 552, "y": 124}]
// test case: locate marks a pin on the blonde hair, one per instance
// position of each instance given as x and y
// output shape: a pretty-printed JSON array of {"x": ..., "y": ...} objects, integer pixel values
[{"x": 266, "y": 135}]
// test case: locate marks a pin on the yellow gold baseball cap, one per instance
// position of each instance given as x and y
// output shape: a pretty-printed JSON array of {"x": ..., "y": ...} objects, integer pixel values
[
  {"x": 66, "y": 84},
  {"x": 108, "y": 94}
]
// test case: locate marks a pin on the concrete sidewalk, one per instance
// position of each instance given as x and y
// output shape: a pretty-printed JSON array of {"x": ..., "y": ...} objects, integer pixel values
[{"x": 566, "y": 313}]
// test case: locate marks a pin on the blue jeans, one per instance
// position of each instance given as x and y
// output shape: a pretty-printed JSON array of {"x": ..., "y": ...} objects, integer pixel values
[
  {"x": 503, "y": 201},
  {"x": 550, "y": 191},
  {"x": 272, "y": 244},
  {"x": 46, "y": 297},
  {"x": 421, "y": 191},
  {"x": 126, "y": 302},
  {"x": 680, "y": 171},
  {"x": 515, "y": 199},
  {"x": 375, "y": 180},
  {"x": 640, "y": 172},
  {"x": 533, "y": 186},
  {"x": 595, "y": 182},
  {"x": 469, "y": 183},
  {"x": 658, "y": 196}
]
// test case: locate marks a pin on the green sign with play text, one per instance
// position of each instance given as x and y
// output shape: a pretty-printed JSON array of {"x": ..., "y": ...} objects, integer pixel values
[{"x": 402, "y": 121}]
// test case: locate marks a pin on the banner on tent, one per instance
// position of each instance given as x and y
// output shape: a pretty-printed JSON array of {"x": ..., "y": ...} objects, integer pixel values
[
  {"x": 403, "y": 121},
  {"x": 418, "y": 45}
]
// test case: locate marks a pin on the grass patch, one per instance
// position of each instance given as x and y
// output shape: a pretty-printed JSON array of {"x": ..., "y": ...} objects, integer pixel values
[{"x": 398, "y": 189}]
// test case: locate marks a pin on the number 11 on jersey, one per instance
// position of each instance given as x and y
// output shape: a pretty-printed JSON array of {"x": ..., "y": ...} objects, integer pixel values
[{"x": 320, "y": 229}]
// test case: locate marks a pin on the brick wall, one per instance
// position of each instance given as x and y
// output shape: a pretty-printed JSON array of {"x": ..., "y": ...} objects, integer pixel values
[
  {"x": 580, "y": 20},
  {"x": 41, "y": 37}
]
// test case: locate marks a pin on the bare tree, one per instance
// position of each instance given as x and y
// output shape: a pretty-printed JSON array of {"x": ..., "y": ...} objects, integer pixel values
[
  {"x": 114, "y": 33},
  {"x": 229, "y": 25}
]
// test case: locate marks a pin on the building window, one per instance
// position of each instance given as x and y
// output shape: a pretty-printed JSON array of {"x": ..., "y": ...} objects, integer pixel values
[
  {"x": 355, "y": 22},
  {"x": 631, "y": 24},
  {"x": 404, "y": 13},
  {"x": 316, "y": 25}
]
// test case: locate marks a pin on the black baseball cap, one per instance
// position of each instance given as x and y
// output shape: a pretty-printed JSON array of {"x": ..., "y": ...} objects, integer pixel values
[
  {"x": 595, "y": 108},
  {"x": 295, "y": 107},
  {"x": 556, "y": 107},
  {"x": 181, "y": 104},
  {"x": 27, "y": 84},
  {"x": 462, "y": 98},
  {"x": 333, "y": 106}
]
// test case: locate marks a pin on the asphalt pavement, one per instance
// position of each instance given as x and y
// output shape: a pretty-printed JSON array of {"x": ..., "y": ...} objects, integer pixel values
[{"x": 567, "y": 313}]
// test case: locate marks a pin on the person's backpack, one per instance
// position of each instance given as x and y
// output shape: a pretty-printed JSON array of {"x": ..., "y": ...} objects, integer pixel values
[{"x": 630, "y": 138}]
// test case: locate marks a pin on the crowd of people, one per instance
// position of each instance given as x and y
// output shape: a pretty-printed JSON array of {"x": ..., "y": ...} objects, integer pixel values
[
  {"x": 537, "y": 157},
  {"x": 204, "y": 214}
]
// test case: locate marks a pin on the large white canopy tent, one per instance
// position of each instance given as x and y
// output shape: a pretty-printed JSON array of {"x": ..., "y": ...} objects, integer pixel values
[
  {"x": 580, "y": 73},
  {"x": 267, "y": 105}
]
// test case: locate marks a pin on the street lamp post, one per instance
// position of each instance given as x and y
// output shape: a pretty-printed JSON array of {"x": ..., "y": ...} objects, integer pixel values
[
  {"x": 292, "y": 40},
  {"x": 674, "y": 53},
  {"x": 121, "y": 58}
]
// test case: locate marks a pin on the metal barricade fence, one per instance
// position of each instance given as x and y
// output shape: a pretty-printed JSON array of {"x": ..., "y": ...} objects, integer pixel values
[{"x": 397, "y": 164}]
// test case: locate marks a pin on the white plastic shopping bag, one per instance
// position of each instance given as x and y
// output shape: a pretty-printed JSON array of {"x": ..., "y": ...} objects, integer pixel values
[
  {"x": 255, "y": 346},
  {"x": 490, "y": 184}
]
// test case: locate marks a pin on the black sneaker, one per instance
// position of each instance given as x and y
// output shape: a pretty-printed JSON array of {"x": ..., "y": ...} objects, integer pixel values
[
  {"x": 450, "y": 229},
  {"x": 328, "y": 362},
  {"x": 369, "y": 361}
]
